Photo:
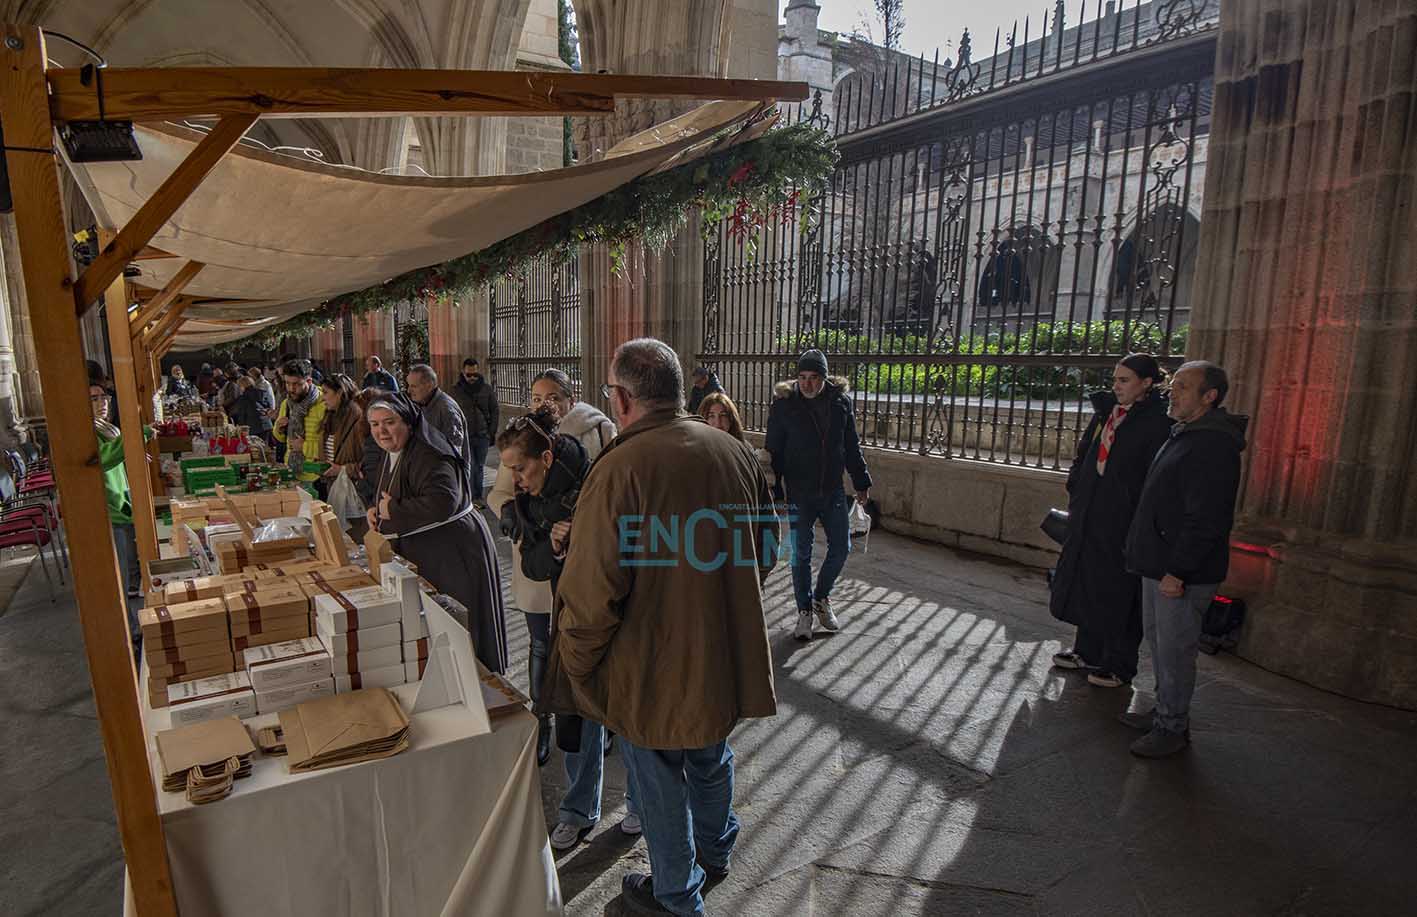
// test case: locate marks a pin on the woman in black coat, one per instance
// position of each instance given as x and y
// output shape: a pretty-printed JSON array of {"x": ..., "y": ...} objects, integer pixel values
[
  {"x": 1091, "y": 586},
  {"x": 424, "y": 505}
]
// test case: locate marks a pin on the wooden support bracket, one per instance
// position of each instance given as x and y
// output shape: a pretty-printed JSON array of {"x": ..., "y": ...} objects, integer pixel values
[
  {"x": 166, "y": 295},
  {"x": 159, "y": 208}
]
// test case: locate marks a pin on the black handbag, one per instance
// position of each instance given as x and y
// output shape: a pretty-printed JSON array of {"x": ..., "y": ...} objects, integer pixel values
[{"x": 1055, "y": 525}]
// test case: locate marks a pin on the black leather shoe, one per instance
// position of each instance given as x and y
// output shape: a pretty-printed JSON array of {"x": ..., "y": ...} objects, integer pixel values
[
  {"x": 544, "y": 739},
  {"x": 638, "y": 891}
]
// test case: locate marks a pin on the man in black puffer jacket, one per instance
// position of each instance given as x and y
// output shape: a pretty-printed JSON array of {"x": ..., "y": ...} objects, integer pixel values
[
  {"x": 1179, "y": 543},
  {"x": 812, "y": 440}
]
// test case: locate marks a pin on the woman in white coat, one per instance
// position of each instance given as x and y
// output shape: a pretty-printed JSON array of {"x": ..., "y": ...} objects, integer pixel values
[{"x": 550, "y": 389}]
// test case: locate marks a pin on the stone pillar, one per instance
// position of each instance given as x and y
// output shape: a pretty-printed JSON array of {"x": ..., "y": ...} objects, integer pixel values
[
  {"x": 1306, "y": 292},
  {"x": 21, "y": 398}
]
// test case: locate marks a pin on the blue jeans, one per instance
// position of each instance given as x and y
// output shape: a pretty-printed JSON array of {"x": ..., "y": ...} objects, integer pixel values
[
  {"x": 1173, "y": 631},
  {"x": 585, "y": 770},
  {"x": 125, "y": 541},
  {"x": 478, "y": 445},
  {"x": 804, "y": 512},
  {"x": 687, "y": 797}
]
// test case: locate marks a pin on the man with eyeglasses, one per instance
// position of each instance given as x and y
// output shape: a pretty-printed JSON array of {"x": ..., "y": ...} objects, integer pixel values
[
  {"x": 479, "y": 407},
  {"x": 658, "y": 626}
]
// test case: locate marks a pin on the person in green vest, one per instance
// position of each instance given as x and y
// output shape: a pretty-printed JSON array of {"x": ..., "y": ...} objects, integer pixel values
[
  {"x": 299, "y": 419},
  {"x": 120, "y": 503}
]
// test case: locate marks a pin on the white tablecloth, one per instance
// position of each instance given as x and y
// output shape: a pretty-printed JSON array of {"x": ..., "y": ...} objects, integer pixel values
[{"x": 453, "y": 825}]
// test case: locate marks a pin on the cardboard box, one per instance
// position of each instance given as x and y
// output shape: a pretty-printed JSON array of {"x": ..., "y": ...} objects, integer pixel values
[
  {"x": 278, "y": 699},
  {"x": 156, "y": 653},
  {"x": 413, "y": 669},
  {"x": 357, "y": 640},
  {"x": 352, "y": 609},
  {"x": 201, "y": 587},
  {"x": 385, "y": 677},
  {"x": 268, "y": 636},
  {"x": 196, "y": 667},
  {"x": 191, "y": 621},
  {"x": 362, "y": 660},
  {"x": 262, "y": 609},
  {"x": 293, "y": 662},
  {"x": 402, "y": 583},
  {"x": 233, "y": 557},
  {"x": 211, "y": 698},
  {"x": 415, "y": 649},
  {"x": 332, "y": 579}
]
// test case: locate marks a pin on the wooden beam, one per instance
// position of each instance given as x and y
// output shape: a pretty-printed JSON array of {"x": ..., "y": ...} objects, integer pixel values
[
  {"x": 166, "y": 295},
  {"x": 125, "y": 380},
  {"x": 167, "y": 324},
  {"x": 152, "y": 254},
  {"x": 163, "y": 94},
  {"x": 159, "y": 208},
  {"x": 98, "y": 586}
]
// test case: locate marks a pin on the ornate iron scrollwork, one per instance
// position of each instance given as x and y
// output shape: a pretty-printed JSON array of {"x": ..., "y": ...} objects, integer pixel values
[
  {"x": 1178, "y": 18},
  {"x": 819, "y": 118},
  {"x": 962, "y": 79},
  {"x": 713, "y": 280}
]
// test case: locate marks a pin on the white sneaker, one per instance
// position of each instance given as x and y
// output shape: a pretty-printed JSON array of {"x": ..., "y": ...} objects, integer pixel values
[
  {"x": 567, "y": 835},
  {"x": 804, "y": 624},
  {"x": 825, "y": 616},
  {"x": 631, "y": 825}
]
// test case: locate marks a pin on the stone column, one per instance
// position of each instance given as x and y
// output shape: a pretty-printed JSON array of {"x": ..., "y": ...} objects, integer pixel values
[
  {"x": 21, "y": 398},
  {"x": 1307, "y": 293}
]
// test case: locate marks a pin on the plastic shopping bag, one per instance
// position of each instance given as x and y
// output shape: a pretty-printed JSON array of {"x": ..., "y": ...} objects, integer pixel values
[
  {"x": 344, "y": 499},
  {"x": 859, "y": 523}
]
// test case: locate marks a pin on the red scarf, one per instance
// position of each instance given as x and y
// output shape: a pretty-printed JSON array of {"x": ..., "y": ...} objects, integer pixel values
[{"x": 1109, "y": 433}]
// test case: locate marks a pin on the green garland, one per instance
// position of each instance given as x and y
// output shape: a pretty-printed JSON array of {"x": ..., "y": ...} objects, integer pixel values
[{"x": 746, "y": 184}]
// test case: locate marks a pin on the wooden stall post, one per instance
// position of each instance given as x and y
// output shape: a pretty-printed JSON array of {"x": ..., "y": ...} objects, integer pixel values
[
  {"x": 98, "y": 586},
  {"x": 135, "y": 452}
]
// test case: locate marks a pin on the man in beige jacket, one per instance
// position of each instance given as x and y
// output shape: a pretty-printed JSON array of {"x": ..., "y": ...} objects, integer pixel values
[{"x": 658, "y": 631}]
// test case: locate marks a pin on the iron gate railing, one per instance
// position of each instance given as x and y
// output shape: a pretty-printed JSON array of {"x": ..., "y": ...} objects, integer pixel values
[
  {"x": 978, "y": 266},
  {"x": 536, "y": 325}
]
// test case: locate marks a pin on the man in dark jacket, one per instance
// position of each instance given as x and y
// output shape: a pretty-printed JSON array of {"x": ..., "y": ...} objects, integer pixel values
[
  {"x": 376, "y": 376},
  {"x": 705, "y": 383},
  {"x": 478, "y": 401},
  {"x": 1179, "y": 543},
  {"x": 439, "y": 410},
  {"x": 812, "y": 440}
]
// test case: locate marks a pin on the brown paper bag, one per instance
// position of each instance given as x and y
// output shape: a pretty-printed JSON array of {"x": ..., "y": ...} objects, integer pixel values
[
  {"x": 379, "y": 549},
  {"x": 343, "y": 729}
]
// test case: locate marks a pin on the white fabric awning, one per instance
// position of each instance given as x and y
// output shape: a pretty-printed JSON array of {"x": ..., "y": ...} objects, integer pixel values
[{"x": 280, "y": 234}]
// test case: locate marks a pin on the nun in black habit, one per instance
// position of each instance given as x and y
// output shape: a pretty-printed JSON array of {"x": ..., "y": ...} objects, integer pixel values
[{"x": 423, "y": 504}]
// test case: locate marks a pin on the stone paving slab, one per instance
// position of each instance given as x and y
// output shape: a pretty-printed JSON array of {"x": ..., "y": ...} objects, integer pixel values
[{"x": 925, "y": 761}]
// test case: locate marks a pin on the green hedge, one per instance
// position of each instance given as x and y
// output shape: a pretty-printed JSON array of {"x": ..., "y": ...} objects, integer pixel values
[{"x": 990, "y": 380}]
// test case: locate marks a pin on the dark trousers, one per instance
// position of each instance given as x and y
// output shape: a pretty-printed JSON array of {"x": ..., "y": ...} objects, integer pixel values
[
  {"x": 1111, "y": 648},
  {"x": 479, "y": 445}
]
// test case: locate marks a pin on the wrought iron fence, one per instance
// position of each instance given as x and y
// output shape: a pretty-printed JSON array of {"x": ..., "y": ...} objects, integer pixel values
[
  {"x": 536, "y": 325},
  {"x": 978, "y": 266}
]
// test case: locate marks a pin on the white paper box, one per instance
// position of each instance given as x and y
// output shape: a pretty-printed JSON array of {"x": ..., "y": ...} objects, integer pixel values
[
  {"x": 294, "y": 662},
  {"x": 365, "y": 659},
  {"x": 413, "y": 669},
  {"x": 360, "y": 640},
  {"x": 362, "y": 608},
  {"x": 415, "y": 649},
  {"x": 386, "y": 677},
  {"x": 288, "y": 696},
  {"x": 205, "y": 699},
  {"x": 402, "y": 583}
]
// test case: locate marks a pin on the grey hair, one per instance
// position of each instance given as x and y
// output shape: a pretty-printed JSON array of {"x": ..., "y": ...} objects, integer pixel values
[
  {"x": 426, "y": 371},
  {"x": 649, "y": 370}
]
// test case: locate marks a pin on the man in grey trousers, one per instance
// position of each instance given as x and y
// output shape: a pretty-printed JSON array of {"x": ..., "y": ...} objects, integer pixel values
[{"x": 1179, "y": 543}]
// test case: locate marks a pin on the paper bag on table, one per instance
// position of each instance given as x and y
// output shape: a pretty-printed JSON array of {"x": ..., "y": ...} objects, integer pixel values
[
  {"x": 199, "y": 758},
  {"x": 344, "y": 729},
  {"x": 379, "y": 550}
]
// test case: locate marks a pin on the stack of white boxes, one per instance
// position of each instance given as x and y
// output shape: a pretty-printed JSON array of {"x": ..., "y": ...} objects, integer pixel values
[
  {"x": 362, "y": 631},
  {"x": 285, "y": 674},
  {"x": 401, "y": 582}
]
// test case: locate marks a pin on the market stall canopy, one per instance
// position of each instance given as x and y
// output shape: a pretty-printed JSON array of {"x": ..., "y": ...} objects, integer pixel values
[{"x": 279, "y": 234}]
